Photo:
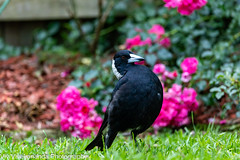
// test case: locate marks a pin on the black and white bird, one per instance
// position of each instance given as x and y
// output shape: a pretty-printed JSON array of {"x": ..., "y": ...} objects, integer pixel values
[{"x": 136, "y": 100}]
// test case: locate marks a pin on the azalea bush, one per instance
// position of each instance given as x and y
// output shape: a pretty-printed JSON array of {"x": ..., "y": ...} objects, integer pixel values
[
  {"x": 77, "y": 113},
  {"x": 185, "y": 7},
  {"x": 179, "y": 99}
]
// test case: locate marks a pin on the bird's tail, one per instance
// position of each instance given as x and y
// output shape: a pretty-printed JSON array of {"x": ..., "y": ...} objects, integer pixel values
[{"x": 98, "y": 141}]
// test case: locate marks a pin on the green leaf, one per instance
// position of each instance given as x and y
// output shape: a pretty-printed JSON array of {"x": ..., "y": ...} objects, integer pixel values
[
  {"x": 228, "y": 105},
  {"x": 150, "y": 10},
  {"x": 76, "y": 83},
  {"x": 220, "y": 76},
  {"x": 233, "y": 92},
  {"x": 207, "y": 54},
  {"x": 151, "y": 59},
  {"x": 53, "y": 28},
  {"x": 201, "y": 85},
  {"x": 153, "y": 48},
  {"x": 77, "y": 73},
  {"x": 90, "y": 75},
  {"x": 238, "y": 114},
  {"x": 198, "y": 32},
  {"x": 41, "y": 35},
  {"x": 215, "y": 89},
  {"x": 205, "y": 44},
  {"x": 97, "y": 84},
  {"x": 219, "y": 95},
  {"x": 139, "y": 16},
  {"x": 164, "y": 54},
  {"x": 223, "y": 87}
]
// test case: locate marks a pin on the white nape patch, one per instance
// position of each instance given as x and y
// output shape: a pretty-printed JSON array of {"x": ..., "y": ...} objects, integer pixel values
[{"x": 114, "y": 69}]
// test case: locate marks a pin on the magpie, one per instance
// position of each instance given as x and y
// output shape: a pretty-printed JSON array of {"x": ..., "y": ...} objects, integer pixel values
[{"x": 135, "y": 103}]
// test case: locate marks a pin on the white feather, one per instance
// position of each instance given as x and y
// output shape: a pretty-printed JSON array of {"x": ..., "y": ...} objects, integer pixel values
[{"x": 115, "y": 71}]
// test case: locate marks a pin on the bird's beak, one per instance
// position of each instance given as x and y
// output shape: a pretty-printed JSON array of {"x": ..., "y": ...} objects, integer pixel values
[{"x": 135, "y": 58}]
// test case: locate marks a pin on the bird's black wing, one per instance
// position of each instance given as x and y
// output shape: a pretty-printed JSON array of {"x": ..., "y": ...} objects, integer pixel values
[
  {"x": 135, "y": 101},
  {"x": 98, "y": 139}
]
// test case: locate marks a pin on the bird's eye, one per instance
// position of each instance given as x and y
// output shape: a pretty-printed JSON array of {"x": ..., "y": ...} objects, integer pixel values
[{"x": 123, "y": 57}]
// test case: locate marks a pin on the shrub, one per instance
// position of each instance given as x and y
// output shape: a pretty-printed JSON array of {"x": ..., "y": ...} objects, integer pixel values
[
  {"x": 227, "y": 85},
  {"x": 77, "y": 113},
  {"x": 204, "y": 34},
  {"x": 177, "y": 101}
]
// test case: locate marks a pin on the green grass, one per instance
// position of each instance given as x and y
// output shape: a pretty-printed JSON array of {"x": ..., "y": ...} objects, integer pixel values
[{"x": 210, "y": 144}]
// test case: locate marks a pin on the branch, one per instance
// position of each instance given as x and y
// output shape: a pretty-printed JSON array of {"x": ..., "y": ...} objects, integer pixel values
[
  {"x": 100, "y": 8},
  {"x": 73, "y": 14},
  {"x": 101, "y": 23}
]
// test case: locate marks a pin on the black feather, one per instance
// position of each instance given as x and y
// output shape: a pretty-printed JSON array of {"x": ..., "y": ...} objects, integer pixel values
[{"x": 135, "y": 103}]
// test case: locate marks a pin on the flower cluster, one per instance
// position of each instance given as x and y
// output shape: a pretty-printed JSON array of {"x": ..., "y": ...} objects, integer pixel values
[
  {"x": 189, "y": 67},
  {"x": 185, "y": 7},
  {"x": 178, "y": 101},
  {"x": 156, "y": 29},
  {"x": 77, "y": 113},
  {"x": 161, "y": 69}
]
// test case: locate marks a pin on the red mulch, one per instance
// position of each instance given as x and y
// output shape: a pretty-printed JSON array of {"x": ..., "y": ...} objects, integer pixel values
[
  {"x": 203, "y": 114},
  {"x": 28, "y": 94}
]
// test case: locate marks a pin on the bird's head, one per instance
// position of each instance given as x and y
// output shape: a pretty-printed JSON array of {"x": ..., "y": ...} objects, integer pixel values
[{"x": 121, "y": 60}]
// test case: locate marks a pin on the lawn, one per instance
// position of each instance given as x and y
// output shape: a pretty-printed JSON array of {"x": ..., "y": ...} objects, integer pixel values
[{"x": 182, "y": 144}]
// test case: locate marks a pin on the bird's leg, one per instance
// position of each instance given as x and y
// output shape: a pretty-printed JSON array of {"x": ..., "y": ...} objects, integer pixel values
[
  {"x": 136, "y": 132},
  {"x": 134, "y": 135},
  {"x": 111, "y": 135}
]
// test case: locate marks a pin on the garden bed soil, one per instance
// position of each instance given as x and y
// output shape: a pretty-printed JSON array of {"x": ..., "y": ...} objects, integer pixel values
[{"x": 28, "y": 93}]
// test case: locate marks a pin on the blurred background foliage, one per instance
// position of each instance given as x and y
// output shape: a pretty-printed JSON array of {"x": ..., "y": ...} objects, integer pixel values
[{"x": 211, "y": 34}]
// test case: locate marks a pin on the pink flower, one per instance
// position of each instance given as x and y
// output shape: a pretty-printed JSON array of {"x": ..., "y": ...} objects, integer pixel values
[
  {"x": 174, "y": 92},
  {"x": 147, "y": 41},
  {"x": 77, "y": 113},
  {"x": 166, "y": 115},
  {"x": 92, "y": 103},
  {"x": 189, "y": 65},
  {"x": 181, "y": 118},
  {"x": 159, "y": 68},
  {"x": 64, "y": 74},
  {"x": 172, "y": 3},
  {"x": 171, "y": 75},
  {"x": 104, "y": 109},
  {"x": 64, "y": 125},
  {"x": 131, "y": 42},
  {"x": 189, "y": 95},
  {"x": 182, "y": 122},
  {"x": 166, "y": 42},
  {"x": 67, "y": 98},
  {"x": 223, "y": 121},
  {"x": 211, "y": 120},
  {"x": 189, "y": 98},
  {"x": 174, "y": 74},
  {"x": 176, "y": 107},
  {"x": 186, "y": 77},
  {"x": 185, "y": 7},
  {"x": 157, "y": 29}
]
